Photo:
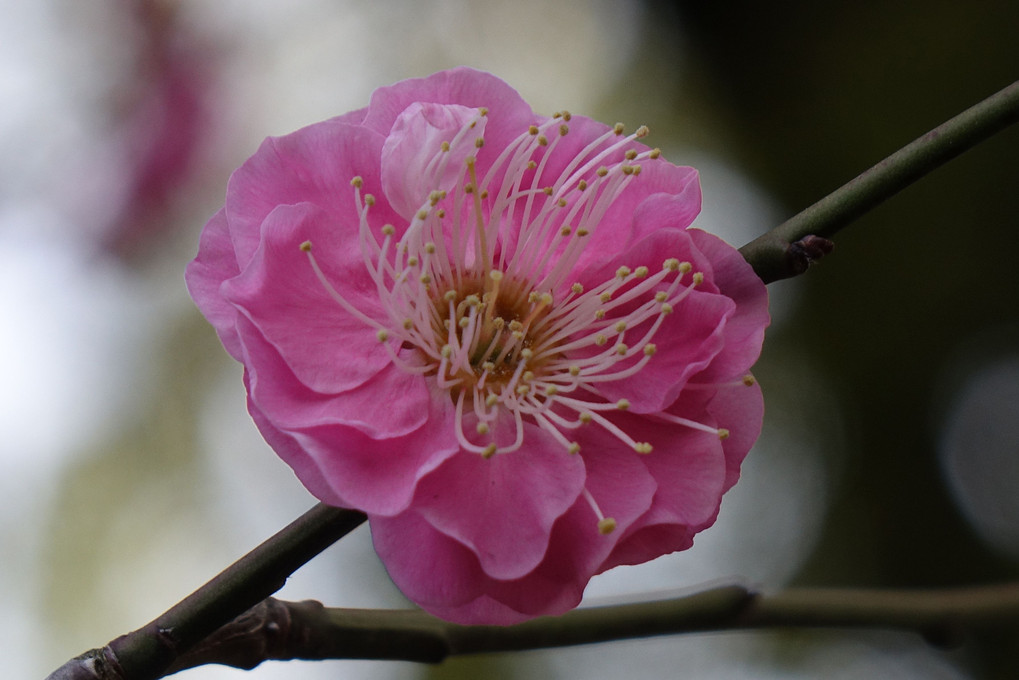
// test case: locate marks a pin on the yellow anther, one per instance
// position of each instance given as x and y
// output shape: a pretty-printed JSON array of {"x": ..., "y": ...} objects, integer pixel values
[
  {"x": 447, "y": 351},
  {"x": 526, "y": 353},
  {"x": 412, "y": 261},
  {"x": 562, "y": 203},
  {"x": 422, "y": 214},
  {"x": 573, "y": 448},
  {"x": 620, "y": 327},
  {"x": 723, "y": 433},
  {"x": 599, "y": 314},
  {"x": 444, "y": 146},
  {"x": 464, "y": 322},
  {"x": 488, "y": 366},
  {"x": 482, "y": 428},
  {"x": 621, "y": 349},
  {"x": 630, "y": 155},
  {"x": 488, "y": 451},
  {"x": 672, "y": 264},
  {"x": 408, "y": 324},
  {"x": 650, "y": 349},
  {"x": 430, "y": 248},
  {"x": 565, "y": 231},
  {"x": 623, "y": 404},
  {"x": 547, "y": 191},
  {"x": 600, "y": 339},
  {"x": 582, "y": 232},
  {"x": 623, "y": 272},
  {"x": 440, "y": 213},
  {"x": 642, "y": 131},
  {"x": 527, "y": 376},
  {"x": 425, "y": 279},
  {"x": 574, "y": 371},
  {"x": 533, "y": 130},
  {"x": 479, "y": 142},
  {"x": 357, "y": 182},
  {"x": 698, "y": 278},
  {"x": 605, "y": 297},
  {"x": 586, "y": 417},
  {"x": 382, "y": 335},
  {"x": 602, "y": 171},
  {"x": 531, "y": 165},
  {"x": 654, "y": 153},
  {"x": 667, "y": 308},
  {"x": 388, "y": 230},
  {"x": 551, "y": 390},
  {"x": 542, "y": 140},
  {"x": 642, "y": 447},
  {"x": 523, "y": 389},
  {"x": 515, "y": 325},
  {"x": 306, "y": 247},
  {"x": 564, "y": 130},
  {"x": 618, "y": 128},
  {"x": 606, "y": 526},
  {"x": 685, "y": 267},
  {"x": 749, "y": 380},
  {"x": 636, "y": 170},
  {"x": 491, "y": 400},
  {"x": 567, "y": 115},
  {"x": 483, "y": 111},
  {"x": 449, "y": 295},
  {"x": 641, "y": 272},
  {"x": 577, "y": 289},
  {"x": 661, "y": 296},
  {"x": 582, "y": 184},
  {"x": 369, "y": 199}
]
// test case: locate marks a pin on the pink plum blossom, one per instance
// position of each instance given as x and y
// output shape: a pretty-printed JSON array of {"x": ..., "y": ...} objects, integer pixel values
[{"x": 494, "y": 333}]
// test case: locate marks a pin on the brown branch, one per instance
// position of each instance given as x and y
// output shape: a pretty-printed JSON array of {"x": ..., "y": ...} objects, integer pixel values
[
  {"x": 306, "y": 630},
  {"x": 788, "y": 249},
  {"x": 146, "y": 653}
]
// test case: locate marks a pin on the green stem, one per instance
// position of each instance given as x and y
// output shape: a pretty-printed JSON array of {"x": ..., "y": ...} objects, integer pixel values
[
  {"x": 146, "y": 653},
  {"x": 772, "y": 255}
]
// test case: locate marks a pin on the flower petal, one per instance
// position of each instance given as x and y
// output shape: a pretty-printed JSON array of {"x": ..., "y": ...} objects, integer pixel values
[
  {"x": 312, "y": 165},
  {"x": 413, "y": 161},
  {"x": 344, "y": 466},
  {"x": 328, "y": 349},
  {"x": 503, "y": 508},
  {"x": 205, "y": 275}
]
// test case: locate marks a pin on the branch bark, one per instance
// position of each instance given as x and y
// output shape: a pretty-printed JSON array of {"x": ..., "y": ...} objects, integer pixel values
[
  {"x": 788, "y": 249},
  {"x": 306, "y": 630},
  {"x": 148, "y": 652}
]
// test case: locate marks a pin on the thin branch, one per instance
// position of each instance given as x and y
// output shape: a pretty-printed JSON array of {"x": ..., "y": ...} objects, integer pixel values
[
  {"x": 786, "y": 250},
  {"x": 306, "y": 630},
  {"x": 146, "y": 653}
]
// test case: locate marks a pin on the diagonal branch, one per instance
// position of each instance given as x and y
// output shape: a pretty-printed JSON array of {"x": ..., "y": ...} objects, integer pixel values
[
  {"x": 306, "y": 630},
  {"x": 790, "y": 247},
  {"x": 146, "y": 653}
]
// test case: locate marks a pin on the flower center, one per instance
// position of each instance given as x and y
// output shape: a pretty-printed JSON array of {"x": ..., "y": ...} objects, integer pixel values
[{"x": 480, "y": 292}]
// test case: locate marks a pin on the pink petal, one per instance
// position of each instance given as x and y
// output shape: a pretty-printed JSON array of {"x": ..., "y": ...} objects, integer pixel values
[
  {"x": 427, "y": 566},
  {"x": 312, "y": 165},
  {"x": 744, "y": 331},
  {"x": 688, "y": 339},
  {"x": 410, "y": 172},
  {"x": 344, "y": 466},
  {"x": 503, "y": 508},
  {"x": 205, "y": 275},
  {"x": 328, "y": 349},
  {"x": 509, "y": 115}
]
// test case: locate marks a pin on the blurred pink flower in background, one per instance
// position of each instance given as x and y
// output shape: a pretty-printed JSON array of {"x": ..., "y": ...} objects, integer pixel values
[{"x": 491, "y": 331}]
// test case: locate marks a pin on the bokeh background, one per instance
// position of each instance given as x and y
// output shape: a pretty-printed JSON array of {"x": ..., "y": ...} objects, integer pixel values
[{"x": 130, "y": 473}]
